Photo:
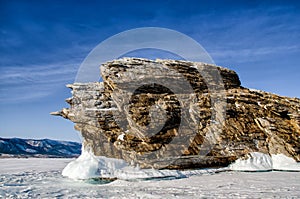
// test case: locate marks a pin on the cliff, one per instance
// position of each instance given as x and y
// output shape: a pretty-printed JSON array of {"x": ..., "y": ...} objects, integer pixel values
[{"x": 180, "y": 114}]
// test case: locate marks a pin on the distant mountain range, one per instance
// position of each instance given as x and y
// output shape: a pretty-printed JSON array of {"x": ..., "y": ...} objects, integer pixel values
[{"x": 17, "y": 147}]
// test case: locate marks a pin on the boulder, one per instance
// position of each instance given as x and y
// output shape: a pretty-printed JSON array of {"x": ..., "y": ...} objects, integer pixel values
[{"x": 180, "y": 114}]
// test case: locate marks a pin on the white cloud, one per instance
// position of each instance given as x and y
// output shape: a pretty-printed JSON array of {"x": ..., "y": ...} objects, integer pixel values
[
  {"x": 245, "y": 54},
  {"x": 30, "y": 82}
]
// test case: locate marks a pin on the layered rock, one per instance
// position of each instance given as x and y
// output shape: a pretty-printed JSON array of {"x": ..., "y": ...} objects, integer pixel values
[{"x": 180, "y": 114}]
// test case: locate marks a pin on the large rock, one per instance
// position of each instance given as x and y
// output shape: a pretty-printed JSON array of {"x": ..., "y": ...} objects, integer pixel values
[{"x": 180, "y": 114}]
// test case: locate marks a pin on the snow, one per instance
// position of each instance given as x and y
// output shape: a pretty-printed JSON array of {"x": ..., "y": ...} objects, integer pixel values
[
  {"x": 87, "y": 165},
  {"x": 121, "y": 137},
  {"x": 91, "y": 176},
  {"x": 255, "y": 162},
  {"x": 264, "y": 162},
  {"x": 34, "y": 143},
  {"x": 41, "y": 178},
  {"x": 255, "y": 90},
  {"x": 14, "y": 165},
  {"x": 30, "y": 150},
  {"x": 282, "y": 162}
]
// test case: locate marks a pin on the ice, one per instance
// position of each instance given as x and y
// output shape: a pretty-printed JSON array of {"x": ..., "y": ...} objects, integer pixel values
[
  {"x": 41, "y": 178},
  {"x": 13, "y": 165},
  {"x": 255, "y": 162},
  {"x": 87, "y": 166},
  {"x": 264, "y": 162},
  {"x": 18, "y": 179},
  {"x": 282, "y": 162}
]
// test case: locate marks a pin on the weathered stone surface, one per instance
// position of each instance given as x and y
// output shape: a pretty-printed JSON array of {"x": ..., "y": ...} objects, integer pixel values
[{"x": 135, "y": 114}]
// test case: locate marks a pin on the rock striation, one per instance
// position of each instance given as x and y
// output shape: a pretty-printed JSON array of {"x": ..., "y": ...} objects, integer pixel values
[{"x": 180, "y": 114}]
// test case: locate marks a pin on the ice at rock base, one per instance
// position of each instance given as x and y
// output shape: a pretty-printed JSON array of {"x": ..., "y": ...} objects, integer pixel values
[
  {"x": 263, "y": 162},
  {"x": 87, "y": 165}
]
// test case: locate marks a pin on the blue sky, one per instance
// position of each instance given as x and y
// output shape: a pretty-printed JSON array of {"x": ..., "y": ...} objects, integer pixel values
[{"x": 42, "y": 44}]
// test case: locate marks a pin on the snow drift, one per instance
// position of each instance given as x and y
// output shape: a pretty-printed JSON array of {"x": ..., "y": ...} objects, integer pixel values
[
  {"x": 87, "y": 165},
  {"x": 263, "y": 162}
]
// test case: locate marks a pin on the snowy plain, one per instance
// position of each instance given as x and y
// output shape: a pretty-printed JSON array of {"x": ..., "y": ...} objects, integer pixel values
[{"x": 42, "y": 178}]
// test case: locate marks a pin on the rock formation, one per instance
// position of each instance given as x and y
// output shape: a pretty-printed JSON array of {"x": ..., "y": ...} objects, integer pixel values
[{"x": 178, "y": 114}]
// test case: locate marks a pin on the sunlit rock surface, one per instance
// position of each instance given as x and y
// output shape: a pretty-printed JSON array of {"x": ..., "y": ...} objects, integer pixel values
[{"x": 177, "y": 114}]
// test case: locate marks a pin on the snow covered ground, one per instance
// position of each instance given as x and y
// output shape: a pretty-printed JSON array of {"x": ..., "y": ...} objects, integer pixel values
[{"x": 42, "y": 178}]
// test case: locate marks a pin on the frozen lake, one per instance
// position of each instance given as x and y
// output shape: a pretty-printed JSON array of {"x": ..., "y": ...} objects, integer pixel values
[{"x": 41, "y": 178}]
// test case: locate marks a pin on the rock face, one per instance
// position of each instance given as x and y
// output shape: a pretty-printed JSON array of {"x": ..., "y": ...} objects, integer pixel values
[{"x": 180, "y": 114}]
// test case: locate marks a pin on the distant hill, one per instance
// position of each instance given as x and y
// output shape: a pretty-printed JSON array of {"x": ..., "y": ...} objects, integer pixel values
[{"x": 17, "y": 147}]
